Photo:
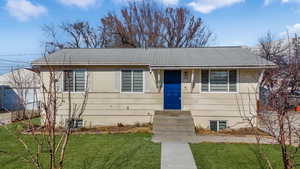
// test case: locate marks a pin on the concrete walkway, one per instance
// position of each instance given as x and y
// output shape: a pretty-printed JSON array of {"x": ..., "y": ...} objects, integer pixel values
[
  {"x": 176, "y": 155},
  {"x": 232, "y": 139},
  {"x": 213, "y": 139}
]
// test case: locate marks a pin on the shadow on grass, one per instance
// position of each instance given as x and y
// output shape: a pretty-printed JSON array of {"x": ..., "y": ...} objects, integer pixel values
[{"x": 262, "y": 164}]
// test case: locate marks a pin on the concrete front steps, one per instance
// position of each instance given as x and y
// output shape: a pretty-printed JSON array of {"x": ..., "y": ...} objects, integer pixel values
[{"x": 173, "y": 126}]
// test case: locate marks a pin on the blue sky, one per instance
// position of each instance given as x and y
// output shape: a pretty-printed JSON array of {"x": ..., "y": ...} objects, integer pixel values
[{"x": 234, "y": 22}]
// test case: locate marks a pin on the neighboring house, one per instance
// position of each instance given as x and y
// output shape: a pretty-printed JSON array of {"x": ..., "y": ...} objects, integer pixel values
[
  {"x": 217, "y": 84},
  {"x": 19, "y": 89}
]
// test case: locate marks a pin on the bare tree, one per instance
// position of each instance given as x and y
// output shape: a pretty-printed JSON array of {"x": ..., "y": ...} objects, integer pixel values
[
  {"x": 277, "y": 116},
  {"x": 144, "y": 25},
  {"x": 273, "y": 49},
  {"x": 79, "y": 34},
  {"x": 47, "y": 136},
  {"x": 138, "y": 25},
  {"x": 24, "y": 83}
]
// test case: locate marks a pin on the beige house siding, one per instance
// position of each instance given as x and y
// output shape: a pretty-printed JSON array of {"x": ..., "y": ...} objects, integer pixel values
[
  {"x": 232, "y": 107},
  {"x": 107, "y": 105}
]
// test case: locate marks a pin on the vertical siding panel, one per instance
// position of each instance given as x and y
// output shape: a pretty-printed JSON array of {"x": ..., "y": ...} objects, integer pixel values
[
  {"x": 117, "y": 84},
  {"x": 90, "y": 80}
]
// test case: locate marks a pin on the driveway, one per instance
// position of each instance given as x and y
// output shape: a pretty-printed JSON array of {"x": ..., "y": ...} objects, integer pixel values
[{"x": 5, "y": 118}]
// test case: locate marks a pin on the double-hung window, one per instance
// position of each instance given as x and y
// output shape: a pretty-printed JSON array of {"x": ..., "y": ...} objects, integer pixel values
[
  {"x": 219, "y": 80},
  {"x": 132, "y": 81},
  {"x": 74, "y": 80}
]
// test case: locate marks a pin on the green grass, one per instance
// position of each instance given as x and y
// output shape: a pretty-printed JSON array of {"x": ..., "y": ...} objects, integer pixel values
[
  {"x": 117, "y": 151},
  {"x": 234, "y": 156},
  {"x": 134, "y": 151}
]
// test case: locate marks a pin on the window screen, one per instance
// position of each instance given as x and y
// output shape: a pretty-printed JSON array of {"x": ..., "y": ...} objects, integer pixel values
[
  {"x": 213, "y": 124},
  {"x": 68, "y": 81},
  {"x": 74, "y": 123},
  {"x": 74, "y": 80},
  {"x": 132, "y": 81},
  {"x": 126, "y": 81},
  {"x": 222, "y": 125},
  {"x": 79, "y": 80},
  {"x": 217, "y": 125},
  {"x": 218, "y": 81},
  {"x": 137, "y": 81}
]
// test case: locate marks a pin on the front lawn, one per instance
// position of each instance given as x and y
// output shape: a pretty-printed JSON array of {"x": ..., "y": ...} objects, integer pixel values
[
  {"x": 135, "y": 151},
  {"x": 115, "y": 151},
  {"x": 234, "y": 156}
]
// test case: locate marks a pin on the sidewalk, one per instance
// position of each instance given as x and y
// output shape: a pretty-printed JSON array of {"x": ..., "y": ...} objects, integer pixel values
[{"x": 176, "y": 155}]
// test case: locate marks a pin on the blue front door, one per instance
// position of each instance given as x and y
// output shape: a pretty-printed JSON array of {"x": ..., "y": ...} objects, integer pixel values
[{"x": 172, "y": 89}]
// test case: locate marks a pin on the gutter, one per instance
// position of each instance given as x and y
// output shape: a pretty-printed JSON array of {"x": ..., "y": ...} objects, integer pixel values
[
  {"x": 89, "y": 64},
  {"x": 213, "y": 67},
  {"x": 35, "y": 65}
]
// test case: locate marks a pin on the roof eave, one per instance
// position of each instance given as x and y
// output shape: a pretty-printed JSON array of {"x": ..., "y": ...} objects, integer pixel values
[
  {"x": 157, "y": 66},
  {"x": 216, "y": 67},
  {"x": 89, "y": 64}
]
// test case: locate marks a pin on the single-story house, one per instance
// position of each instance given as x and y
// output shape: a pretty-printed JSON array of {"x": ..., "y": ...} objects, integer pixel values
[
  {"x": 19, "y": 89},
  {"x": 216, "y": 84}
]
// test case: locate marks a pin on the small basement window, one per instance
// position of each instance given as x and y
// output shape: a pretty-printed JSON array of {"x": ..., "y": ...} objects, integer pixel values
[
  {"x": 75, "y": 123},
  {"x": 217, "y": 125}
]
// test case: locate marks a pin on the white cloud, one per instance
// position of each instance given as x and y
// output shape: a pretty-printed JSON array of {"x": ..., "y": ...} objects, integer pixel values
[
  {"x": 207, "y": 6},
  {"x": 23, "y": 10},
  {"x": 170, "y": 2},
  {"x": 268, "y": 2},
  {"x": 291, "y": 29},
  {"x": 79, "y": 3},
  {"x": 294, "y": 29}
]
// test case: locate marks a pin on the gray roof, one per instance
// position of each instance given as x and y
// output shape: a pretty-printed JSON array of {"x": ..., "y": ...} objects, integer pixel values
[{"x": 234, "y": 56}]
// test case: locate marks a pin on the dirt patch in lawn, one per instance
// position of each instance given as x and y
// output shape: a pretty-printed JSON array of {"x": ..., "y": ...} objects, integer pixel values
[
  {"x": 233, "y": 132},
  {"x": 119, "y": 129}
]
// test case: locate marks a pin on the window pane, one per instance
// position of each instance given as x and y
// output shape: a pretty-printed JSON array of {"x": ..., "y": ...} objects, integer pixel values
[
  {"x": 78, "y": 123},
  {"x": 218, "y": 81},
  {"x": 137, "y": 81},
  {"x": 79, "y": 80},
  {"x": 232, "y": 81},
  {"x": 213, "y": 125},
  {"x": 68, "y": 80},
  {"x": 222, "y": 125},
  {"x": 126, "y": 81},
  {"x": 204, "y": 80}
]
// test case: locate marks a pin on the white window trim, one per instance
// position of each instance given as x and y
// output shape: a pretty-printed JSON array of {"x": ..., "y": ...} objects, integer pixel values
[
  {"x": 132, "y": 80},
  {"x": 63, "y": 81},
  {"x": 218, "y": 124},
  {"x": 209, "y": 91},
  {"x": 60, "y": 81}
]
